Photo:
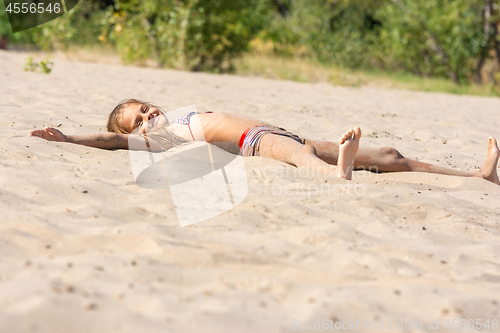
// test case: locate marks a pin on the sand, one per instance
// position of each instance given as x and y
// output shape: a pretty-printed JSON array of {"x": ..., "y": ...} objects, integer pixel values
[{"x": 84, "y": 249}]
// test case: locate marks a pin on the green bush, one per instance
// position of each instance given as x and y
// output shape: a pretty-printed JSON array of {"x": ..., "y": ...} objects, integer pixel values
[
  {"x": 5, "y": 30},
  {"x": 197, "y": 35},
  {"x": 341, "y": 32},
  {"x": 444, "y": 38},
  {"x": 80, "y": 26},
  {"x": 433, "y": 37}
]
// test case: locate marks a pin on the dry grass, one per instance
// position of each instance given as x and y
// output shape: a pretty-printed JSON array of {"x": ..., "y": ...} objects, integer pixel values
[
  {"x": 305, "y": 70},
  {"x": 263, "y": 63},
  {"x": 295, "y": 69},
  {"x": 95, "y": 54}
]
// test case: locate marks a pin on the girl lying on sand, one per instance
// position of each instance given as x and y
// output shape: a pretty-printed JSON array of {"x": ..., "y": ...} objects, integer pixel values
[{"x": 135, "y": 121}]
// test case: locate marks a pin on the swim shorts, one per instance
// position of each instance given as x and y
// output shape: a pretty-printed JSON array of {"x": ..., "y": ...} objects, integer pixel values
[{"x": 250, "y": 139}]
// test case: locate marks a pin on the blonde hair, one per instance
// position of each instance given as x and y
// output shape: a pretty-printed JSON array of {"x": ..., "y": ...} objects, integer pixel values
[
  {"x": 115, "y": 123},
  {"x": 164, "y": 138}
]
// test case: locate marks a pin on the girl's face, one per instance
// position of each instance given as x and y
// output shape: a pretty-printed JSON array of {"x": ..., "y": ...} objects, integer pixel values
[{"x": 136, "y": 115}]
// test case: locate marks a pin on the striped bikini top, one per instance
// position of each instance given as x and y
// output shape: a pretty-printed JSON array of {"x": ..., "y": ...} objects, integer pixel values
[{"x": 185, "y": 120}]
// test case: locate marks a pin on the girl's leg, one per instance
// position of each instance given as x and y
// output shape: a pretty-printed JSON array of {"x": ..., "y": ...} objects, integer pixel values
[
  {"x": 287, "y": 150},
  {"x": 390, "y": 160}
]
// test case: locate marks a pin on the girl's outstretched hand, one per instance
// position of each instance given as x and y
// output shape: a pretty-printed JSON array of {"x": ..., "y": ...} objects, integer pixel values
[{"x": 49, "y": 133}]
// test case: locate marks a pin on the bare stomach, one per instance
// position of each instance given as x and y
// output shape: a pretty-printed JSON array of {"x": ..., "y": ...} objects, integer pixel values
[
  {"x": 215, "y": 127},
  {"x": 223, "y": 127}
]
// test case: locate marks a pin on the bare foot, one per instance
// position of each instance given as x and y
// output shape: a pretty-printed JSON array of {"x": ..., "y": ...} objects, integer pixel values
[
  {"x": 489, "y": 169},
  {"x": 348, "y": 146}
]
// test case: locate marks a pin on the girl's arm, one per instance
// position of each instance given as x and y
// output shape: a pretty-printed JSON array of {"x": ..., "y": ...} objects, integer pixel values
[{"x": 100, "y": 140}]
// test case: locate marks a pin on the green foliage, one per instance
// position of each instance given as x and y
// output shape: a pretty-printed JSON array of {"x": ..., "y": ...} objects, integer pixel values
[
  {"x": 188, "y": 34},
  {"x": 5, "y": 29},
  {"x": 30, "y": 65},
  {"x": 349, "y": 34},
  {"x": 192, "y": 34},
  {"x": 45, "y": 65},
  {"x": 441, "y": 38},
  {"x": 79, "y": 26},
  {"x": 341, "y": 32},
  {"x": 433, "y": 37},
  {"x": 4, "y": 21},
  {"x": 444, "y": 38}
]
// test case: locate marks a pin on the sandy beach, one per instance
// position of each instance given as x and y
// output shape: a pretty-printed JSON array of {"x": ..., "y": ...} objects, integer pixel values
[{"x": 84, "y": 249}]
